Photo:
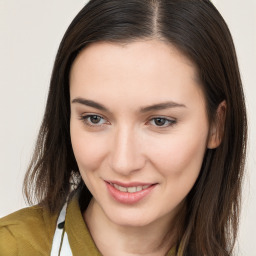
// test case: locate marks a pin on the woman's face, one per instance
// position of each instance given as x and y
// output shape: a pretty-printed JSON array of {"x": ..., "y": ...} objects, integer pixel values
[{"x": 139, "y": 128}]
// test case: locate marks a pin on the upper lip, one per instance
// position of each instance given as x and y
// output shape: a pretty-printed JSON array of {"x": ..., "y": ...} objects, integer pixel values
[{"x": 130, "y": 184}]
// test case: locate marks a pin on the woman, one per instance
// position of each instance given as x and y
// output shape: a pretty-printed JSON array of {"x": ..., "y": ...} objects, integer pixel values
[{"x": 142, "y": 146}]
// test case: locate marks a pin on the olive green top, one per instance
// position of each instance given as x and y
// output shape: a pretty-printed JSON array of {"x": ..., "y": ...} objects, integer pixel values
[{"x": 30, "y": 231}]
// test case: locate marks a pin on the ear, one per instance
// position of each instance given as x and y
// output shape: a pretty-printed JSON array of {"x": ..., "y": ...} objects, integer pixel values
[{"x": 217, "y": 127}]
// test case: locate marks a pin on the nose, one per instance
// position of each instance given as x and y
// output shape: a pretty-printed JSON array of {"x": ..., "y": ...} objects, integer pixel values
[{"x": 127, "y": 154}]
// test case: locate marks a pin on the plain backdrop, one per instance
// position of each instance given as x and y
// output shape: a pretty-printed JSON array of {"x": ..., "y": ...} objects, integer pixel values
[{"x": 30, "y": 32}]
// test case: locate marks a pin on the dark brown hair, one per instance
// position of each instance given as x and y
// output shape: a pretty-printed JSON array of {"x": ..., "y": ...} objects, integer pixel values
[{"x": 197, "y": 29}]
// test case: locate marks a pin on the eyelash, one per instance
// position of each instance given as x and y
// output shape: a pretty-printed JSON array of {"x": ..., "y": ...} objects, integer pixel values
[
  {"x": 85, "y": 120},
  {"x": 170, "y": 122}
]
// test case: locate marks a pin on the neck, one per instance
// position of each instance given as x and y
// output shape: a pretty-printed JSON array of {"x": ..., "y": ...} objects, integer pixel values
[{"x": 154, "y": 239}]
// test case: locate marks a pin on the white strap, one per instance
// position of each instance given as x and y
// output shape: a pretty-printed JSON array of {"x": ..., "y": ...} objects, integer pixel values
[{"x": 57, "y": 246}]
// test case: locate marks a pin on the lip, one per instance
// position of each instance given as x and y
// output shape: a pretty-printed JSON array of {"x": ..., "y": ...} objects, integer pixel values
[
  {"x": 126, "y": 197},
  {"x": 130, "y": 184}
]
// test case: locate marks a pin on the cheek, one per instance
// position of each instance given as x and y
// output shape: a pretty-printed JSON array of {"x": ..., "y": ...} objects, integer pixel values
[
  {"x": 89, "y": 150},
  {"x": 180, "y": 157},
  {"x": 179, "y": 164}
]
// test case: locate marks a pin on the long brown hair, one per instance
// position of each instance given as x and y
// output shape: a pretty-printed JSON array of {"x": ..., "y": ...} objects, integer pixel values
[{"x": 197, "y": 29}]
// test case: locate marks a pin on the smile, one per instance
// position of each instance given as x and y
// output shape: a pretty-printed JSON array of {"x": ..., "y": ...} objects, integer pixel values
[
  {"x": 129, "y": 193},
  {"x": 129, "y": 189}
]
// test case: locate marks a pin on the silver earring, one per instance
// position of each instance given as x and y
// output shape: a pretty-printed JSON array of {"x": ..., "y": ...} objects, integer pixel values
[{"x": 74, "y": 180}]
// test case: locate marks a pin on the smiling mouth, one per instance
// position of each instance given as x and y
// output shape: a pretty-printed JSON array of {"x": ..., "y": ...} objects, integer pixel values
[
  {"x": 133, "y": 189},
  {"x": 130, "y": 193}
]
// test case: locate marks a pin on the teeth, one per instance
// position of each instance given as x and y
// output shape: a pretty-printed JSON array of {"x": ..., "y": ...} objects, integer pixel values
[
  {"x": 122, "y": 189},
  {"x": 139, "y": 188},
  {"x": 130, "y": 189}
]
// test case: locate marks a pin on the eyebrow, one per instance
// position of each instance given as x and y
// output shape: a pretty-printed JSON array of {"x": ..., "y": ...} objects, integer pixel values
[
  {"x": 159, "y": 106},
  {"x": 90, "y": 103}
]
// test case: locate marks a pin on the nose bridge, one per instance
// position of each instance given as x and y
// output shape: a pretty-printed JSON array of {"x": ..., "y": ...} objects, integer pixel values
[{"x": 126, "y": 153}]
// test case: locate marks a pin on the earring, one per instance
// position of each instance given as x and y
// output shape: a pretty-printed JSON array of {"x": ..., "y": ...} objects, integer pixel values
[{"x": 74, "y": 180}]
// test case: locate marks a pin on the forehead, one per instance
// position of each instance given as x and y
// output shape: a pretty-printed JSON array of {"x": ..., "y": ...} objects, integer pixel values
[
  {"x": 152, "y": 69},
  {"x": 154, "y": 53}
]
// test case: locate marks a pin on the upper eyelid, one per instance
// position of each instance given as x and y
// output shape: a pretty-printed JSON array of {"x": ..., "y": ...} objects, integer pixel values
[
  {"x": 164, "y": 117},
  {"x": 84, "y": 115}
]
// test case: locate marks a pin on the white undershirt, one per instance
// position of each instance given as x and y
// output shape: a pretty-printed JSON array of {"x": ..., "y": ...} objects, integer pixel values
[{"x": 60, "y": 243}]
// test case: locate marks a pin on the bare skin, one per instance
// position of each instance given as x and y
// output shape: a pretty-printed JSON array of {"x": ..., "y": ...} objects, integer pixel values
[
  {"x": 128, "y": 240},
  {"x": 138, "y": 117}
]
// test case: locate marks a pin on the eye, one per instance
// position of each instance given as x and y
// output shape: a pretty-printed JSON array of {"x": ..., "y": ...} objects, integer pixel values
[
  {"x": 162, "y": 122},
  {"x": 93, "y": 120}
]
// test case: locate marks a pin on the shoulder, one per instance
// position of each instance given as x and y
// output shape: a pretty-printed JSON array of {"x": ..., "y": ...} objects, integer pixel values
[{"x": 27, "y": 231}]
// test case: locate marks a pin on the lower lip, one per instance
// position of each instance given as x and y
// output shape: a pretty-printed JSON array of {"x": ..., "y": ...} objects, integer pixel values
[{"x": 126, "y": 197}]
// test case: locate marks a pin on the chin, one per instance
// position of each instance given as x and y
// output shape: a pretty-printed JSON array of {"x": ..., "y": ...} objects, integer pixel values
[{"x": 130, "y": 217}]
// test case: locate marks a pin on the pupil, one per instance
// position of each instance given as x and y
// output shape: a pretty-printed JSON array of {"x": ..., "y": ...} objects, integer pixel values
[
  {"x": 159, "y": 121},
  {"x": 95, "y": 119}
]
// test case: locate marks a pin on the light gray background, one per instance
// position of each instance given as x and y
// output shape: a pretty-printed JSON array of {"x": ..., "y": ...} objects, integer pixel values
[{"x": 30, "y": 32}]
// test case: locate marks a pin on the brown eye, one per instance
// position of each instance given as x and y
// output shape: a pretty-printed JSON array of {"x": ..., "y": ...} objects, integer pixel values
[
  {"x": 162, "y": 122},
  {"x": 94, "y": 119}
]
